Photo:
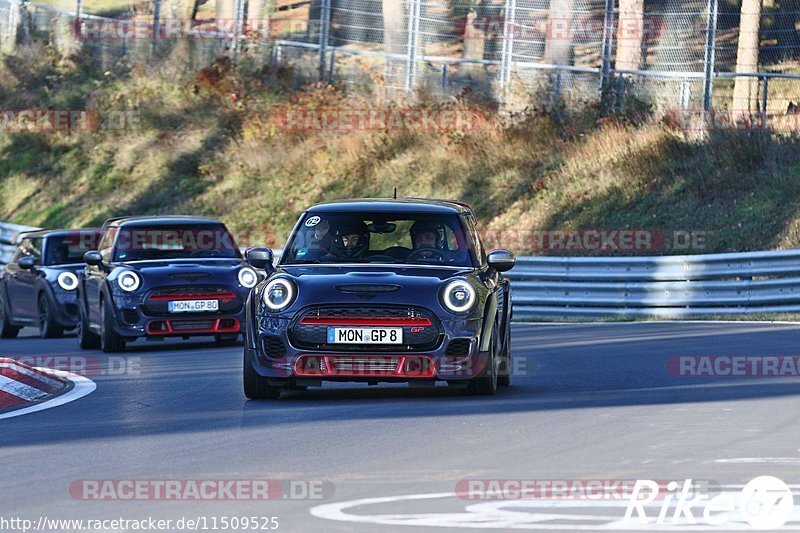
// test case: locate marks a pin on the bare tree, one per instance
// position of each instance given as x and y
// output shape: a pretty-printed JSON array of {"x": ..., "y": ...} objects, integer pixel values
[
  {"x": 745, "y": 92},
  {"x": 630, "y": 34},
  {"x": 394, "y": 37},
  {"x": 558, "y": 44}
]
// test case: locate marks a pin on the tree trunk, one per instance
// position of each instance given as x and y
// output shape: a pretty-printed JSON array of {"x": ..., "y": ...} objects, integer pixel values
[
  {"x": 630, "y": 32},
  {"x": 745, "y": 92},
  {"x": 558, "y": 44},
  {"x": 395, "y": 39}
]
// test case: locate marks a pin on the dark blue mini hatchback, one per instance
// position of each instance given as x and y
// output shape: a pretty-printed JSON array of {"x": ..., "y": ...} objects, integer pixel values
[
  {"x": 160, "y": 277},
  {"x": 39, "y": 286},
  {"x": 376, "y": 291}
]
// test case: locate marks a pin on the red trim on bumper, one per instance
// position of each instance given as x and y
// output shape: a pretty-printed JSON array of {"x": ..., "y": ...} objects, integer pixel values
[
  {"x": 377, "y": 322},
  {"x": 165, "y": 327},
  {"x": 392, "y": 366},
  {"x": 224, "y": 296}
]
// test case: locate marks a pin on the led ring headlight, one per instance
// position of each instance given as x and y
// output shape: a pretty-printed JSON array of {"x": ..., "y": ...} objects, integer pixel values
[
  {"x": 129, "y": 281},
  {"x": 68, "y": 281},
  {"x": 278, "y": 294},
  {"x": 458, "y": 296},
  {"x": 248, "y": 278}
]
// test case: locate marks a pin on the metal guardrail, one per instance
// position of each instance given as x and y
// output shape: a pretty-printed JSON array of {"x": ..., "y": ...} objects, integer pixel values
[
  {"x": 7, "y": 234},
  {"x": 618, "y": 287},
  {"x": 666, "y": 287}
]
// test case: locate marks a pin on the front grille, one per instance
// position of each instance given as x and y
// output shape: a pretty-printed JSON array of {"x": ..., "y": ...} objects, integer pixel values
[
  {"x": 157, "y": 301},
  {"x": 364, "y": 364},
  {"x": 192, "y": 325},
  {"x": 130, "y": 316},
  {"x": 273, "y": 346},
  {"x": 421, "y": 329}
]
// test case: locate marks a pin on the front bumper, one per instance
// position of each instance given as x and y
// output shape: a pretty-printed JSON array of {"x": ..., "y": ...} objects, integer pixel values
[
  {"x": 455, "y": 357},
  {"x": 134, "y": 318}
]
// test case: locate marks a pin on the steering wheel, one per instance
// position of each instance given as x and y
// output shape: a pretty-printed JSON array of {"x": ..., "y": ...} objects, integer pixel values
[{"x": 419, "y": 254}]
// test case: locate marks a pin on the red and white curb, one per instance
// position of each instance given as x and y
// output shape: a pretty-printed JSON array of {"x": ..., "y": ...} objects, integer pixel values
[{"x": 25, "y": 389}]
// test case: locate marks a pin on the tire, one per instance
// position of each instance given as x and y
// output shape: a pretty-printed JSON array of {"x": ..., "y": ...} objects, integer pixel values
[
  {"x": 48, "y": 327},
  {"x": 110, "y": 340},
  {"x": 7, "y": 330},
  {"x": 486, "y": 385},
  {"x": 256, "y": 387},
  {"x": 87, "y": 340},
  {"x": 506, "y": 363}
]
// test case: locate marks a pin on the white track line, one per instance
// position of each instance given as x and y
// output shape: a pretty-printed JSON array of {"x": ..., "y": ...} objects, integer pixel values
[{"x": 82, "y": 387}]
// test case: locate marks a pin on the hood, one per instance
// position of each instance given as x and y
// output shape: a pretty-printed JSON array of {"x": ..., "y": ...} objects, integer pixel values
[
  {"x": 370, "y": 284},
  {"x": 199, "y": 266}
]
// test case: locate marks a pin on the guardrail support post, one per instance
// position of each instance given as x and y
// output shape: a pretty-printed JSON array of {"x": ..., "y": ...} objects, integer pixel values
[
  {"x": 324, "y": 37},
  {"x": 712, "y": 10},
  {"x": 413, "y": 42},
  {"x": 507, "y": 53},
  {"x": 608, "y": 39},
  {"x": 686, "y": 94},
  {"x": 156, "y": 25},
  {"x": 764, "y": 102}
]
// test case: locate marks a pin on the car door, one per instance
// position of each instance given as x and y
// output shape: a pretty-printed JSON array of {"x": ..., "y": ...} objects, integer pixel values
[
  {"x": 95, "y": 276},
  {"x": 21, "y": 284}
]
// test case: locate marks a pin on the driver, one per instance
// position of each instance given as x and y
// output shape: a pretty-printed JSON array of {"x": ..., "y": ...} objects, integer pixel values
[
  {"x": 351, "y": 241},
  {"x": 427, "y": 234}
]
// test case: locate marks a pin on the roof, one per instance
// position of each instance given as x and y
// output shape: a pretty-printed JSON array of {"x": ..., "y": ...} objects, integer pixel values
[
  {"x": 390, "y": 205},
  {"x": 54, "y": 232},
  {"x": 160, "y": 220}
]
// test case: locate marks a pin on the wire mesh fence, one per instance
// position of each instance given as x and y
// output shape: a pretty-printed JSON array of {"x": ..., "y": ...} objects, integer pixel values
[{"x": 666, "y": 54}]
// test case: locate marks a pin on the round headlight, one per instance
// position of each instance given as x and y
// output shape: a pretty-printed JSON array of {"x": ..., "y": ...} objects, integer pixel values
[
  {"x": 248, "y": 278},
  {"x": 458, "y": 296},
  {"x": 129, "y": 281},
  {"x": 68, "y": 281},
  {"x": 278, "y": 294}
]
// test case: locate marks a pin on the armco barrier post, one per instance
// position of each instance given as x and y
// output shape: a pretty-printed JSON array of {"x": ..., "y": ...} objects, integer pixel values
[{"x": 324, "y": 38}]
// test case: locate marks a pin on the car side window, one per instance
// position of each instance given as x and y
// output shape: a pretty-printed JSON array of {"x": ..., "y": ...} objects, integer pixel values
[
  {"x": 29, "y": 248},
  {"x": 107, "y": 243},
  {"x": 476, "y": 239}
]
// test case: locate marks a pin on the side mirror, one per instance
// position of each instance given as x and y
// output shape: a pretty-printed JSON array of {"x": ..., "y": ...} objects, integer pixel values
[
  {"x": 501, "y": 260},
  {"x": 26, "y": 262},
  {"x": 93, "y": 258},
  {"x": 260, "y": 258}
]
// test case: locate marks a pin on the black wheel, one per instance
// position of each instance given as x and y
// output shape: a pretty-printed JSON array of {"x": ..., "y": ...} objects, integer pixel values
[
  {"x": 506, "y": 363},
  {"x": 48, "y": 327},
  {"x": 486, "y": 385},
  {"x": 87, "y": 340},
  {"x": 256, "y": 387},
  {"x": 7, "y": 331},
  {"x": 110, "y": 340}
]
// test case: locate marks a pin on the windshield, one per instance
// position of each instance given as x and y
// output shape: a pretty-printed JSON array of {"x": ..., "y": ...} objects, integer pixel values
[
  {"x": 422, "y": 238},
  {"x": 68, "y": 249},
  {"x": 175, "y": 242}
]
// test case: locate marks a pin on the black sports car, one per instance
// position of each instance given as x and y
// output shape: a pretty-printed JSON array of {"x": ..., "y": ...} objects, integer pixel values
[
  {"x": 160, "y": 277},
  {"x": 38, "y": 287},
  {"x": 380, "y": 291}
]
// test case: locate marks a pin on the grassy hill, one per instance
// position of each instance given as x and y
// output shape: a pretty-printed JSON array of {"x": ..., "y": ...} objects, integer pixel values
[{"x": 211, "y": 143}]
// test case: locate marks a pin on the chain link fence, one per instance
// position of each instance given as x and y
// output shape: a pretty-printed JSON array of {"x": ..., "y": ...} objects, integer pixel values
[{"x": 669, "y": 54}]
